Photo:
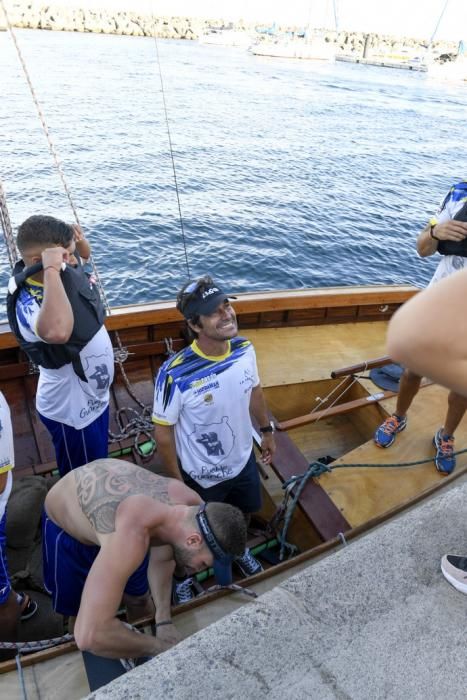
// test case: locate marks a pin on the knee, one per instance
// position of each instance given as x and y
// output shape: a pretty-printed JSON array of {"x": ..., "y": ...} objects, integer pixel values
[{"x": 410, "y": 377}]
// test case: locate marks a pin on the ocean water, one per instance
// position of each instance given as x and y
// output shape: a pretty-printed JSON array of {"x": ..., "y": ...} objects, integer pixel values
[{"x": 290, "y": 173}]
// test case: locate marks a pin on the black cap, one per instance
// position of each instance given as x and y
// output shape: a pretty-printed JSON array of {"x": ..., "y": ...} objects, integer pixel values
[{"x": 204, "y": 299}]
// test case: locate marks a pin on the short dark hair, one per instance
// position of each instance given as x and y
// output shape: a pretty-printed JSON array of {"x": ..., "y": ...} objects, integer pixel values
[
  {"x": 39, "y": 230},
  {"x": 228, "y": 526}
]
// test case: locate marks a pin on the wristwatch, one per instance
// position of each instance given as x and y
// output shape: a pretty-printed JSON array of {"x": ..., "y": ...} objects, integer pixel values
[
  {"x": 267, "y": 428},
  {"x": 432, "y": 223}
]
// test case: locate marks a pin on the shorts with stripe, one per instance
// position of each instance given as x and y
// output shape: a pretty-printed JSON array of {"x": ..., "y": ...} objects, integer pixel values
[
  {"x": 73, "y": 448},
  {"x": 67, "y": 563},
  {"x": 5, "y": 585}
]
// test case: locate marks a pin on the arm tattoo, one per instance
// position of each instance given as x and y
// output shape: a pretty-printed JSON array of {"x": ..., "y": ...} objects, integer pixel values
[{"x": 102, "y": 485}]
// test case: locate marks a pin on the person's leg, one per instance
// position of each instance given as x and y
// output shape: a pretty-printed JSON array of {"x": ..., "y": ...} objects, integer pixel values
[
  {"x": 245, "y": 494},
  {"x": 73, "y": 448},
  {"x": 445, "y": 460},
  {"x": 457, "y": 406},
  {"x": 408, "y": 388},
  {"x": 9, "y": 606}
]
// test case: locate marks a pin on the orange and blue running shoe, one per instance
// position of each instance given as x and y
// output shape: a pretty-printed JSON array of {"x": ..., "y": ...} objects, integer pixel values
[
  {"x": 387, "y": 431},
  {"x": 445, "y": 460}
]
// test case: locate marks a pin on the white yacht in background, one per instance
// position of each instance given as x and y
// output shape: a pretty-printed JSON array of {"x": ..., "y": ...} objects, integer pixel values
[
  {"x": 226, "y": 37},
  {"x": 314, "y": 47}
]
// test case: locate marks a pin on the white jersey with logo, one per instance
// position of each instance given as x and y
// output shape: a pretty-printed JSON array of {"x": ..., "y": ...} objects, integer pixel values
[
  {"x": 207, "y": 399},
  {"x": 61, "y": 395},
  {"x": 7, "y": 460},
  {"x": 451, "y": 205}
]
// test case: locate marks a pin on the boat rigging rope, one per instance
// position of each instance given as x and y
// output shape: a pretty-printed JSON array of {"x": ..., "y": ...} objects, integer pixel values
[
  {"x": 315, "y": 469},
  {"x": 140, "y": 425},
  {"x": 120, "y": 353},
  {"x": 52, "y": 149},
  {"x": 7, "y": 229},
  {"x": 39, "y": 645},
  {"x": 321, "y": 401},
  {"x": 169, "y": 136}
]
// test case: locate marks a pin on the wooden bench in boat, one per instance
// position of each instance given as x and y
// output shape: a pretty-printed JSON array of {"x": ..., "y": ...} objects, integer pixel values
[{"x": 324, "y": 517}]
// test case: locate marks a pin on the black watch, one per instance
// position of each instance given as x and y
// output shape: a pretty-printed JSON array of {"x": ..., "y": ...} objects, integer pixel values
[{"x": 267, "y": 428}]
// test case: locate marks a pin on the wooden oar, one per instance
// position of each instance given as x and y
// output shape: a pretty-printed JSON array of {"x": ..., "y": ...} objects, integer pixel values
[
  {"x": 339, "y": 409},
  {"x": 353, "y": 369}
]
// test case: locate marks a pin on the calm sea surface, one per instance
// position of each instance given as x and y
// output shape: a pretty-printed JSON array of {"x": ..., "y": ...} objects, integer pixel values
[{"x": 290, "y": 174}]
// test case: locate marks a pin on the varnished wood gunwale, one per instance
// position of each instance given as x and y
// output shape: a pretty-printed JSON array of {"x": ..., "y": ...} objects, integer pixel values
[{"x": 267, "y": 308}]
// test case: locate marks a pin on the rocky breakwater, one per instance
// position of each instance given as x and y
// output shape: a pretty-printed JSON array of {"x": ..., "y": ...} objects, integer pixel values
[
  {"x": 68, "y": 19},
  {"x": 37, "y": 15}
]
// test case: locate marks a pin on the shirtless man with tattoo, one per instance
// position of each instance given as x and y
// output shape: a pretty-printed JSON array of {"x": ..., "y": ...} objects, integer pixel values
[{"x": 111, "y": 528}]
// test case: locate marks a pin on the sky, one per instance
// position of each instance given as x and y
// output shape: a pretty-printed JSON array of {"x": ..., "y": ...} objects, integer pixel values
[{"x": 417, "y": 18}]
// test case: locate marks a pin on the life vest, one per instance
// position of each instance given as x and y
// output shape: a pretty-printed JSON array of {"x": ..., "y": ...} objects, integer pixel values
[
  {"x": 88, "y": 314},
  {"x": 455, "y": 247}
]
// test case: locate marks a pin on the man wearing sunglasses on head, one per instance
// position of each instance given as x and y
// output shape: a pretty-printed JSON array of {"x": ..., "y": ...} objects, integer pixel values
[{"x": 202, "y": 404}]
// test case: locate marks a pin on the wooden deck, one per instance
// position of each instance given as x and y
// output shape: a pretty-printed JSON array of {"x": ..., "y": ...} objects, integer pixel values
[
  {"x": 295, "y": 365},
  {"x": 308, "y": 354}
]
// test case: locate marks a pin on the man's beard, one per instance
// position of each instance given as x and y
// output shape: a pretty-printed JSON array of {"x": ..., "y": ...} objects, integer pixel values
[{"x": 182, "y": 557}]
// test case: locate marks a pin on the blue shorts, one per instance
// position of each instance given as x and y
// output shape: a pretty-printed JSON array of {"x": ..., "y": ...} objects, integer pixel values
[
  {"x": 243, "y": 491},
  {"x": 67, "y": 563},
  {"x": 73, "y": 448},
  {"x": 5, "y": 585}
]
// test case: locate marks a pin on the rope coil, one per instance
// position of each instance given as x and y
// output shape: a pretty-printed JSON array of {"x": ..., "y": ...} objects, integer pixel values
[
  {"x": 137, "y": 427},
  {"x": 25, "y": 647}
]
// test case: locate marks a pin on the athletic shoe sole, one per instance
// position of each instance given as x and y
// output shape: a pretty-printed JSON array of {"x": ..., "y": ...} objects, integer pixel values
[
  {"x": 29, "y": 610},
  {"x": 458, "y": 585}
]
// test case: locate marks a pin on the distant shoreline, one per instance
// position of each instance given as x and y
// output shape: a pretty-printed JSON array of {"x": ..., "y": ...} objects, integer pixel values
[{"x": 58, "y": 18}]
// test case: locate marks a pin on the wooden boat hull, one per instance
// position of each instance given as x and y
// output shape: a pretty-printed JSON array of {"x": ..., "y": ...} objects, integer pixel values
[{"x": 300, "y": 338}]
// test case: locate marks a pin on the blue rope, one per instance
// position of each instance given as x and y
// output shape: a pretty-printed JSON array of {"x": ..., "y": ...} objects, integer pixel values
[{"x": 315, "y": 469}]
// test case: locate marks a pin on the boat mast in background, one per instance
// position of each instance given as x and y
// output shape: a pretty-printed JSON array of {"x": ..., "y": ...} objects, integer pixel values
[
  {"x": 336, "y": 14},
  {"x": 435, "y": 31}
]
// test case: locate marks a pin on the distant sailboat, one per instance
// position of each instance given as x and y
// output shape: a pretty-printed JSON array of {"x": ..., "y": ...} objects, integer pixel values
[
  {"x": 307, "y": 44},
  {"x": 226, "y": 37},
  {"x": 447, "y": 66}
]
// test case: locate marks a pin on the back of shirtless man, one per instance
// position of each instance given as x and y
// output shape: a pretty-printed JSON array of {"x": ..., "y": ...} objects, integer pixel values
[{"x": 111, "y": 528}]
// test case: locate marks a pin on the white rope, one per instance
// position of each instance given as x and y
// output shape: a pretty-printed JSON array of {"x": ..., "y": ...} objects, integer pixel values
[
  {"x": 120, "y": 354},
  {"x": 7, "y": 229},
  {"x": 339, "y": 396}
]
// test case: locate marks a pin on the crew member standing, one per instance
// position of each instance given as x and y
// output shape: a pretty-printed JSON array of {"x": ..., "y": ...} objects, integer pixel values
[{"x": 202, "y": 403}]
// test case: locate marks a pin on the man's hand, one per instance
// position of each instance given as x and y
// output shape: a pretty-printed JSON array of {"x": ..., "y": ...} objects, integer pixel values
[
  {"x": 55, "y": 320},
  {"x": 268, "y": 447},
  {"x": 78, "y": 232},
  {"x": 54, "y": 257},
  {"x": 168, "y": 635},
  {"x": 451, "y": 230}
]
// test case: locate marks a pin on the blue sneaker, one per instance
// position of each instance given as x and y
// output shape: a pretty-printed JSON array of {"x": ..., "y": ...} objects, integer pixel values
[
  {"x": 248, "y": 564},
  {"x": 182, "y": 591},
  {"x": 386, "y": 433},
  {"x": 445, "y": 460}
]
